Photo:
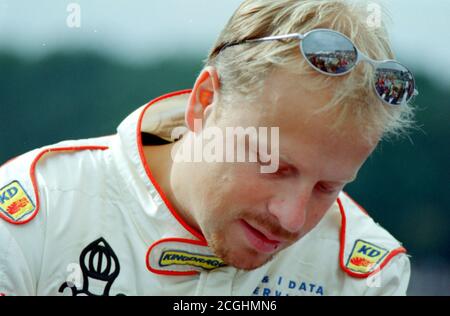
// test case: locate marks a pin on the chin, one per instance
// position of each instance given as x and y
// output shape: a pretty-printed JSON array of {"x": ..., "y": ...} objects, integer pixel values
[
  {"x": 244, "y": 258},
  {"x": 249, "y": 261},
  {"x": 228, "y": 246}
]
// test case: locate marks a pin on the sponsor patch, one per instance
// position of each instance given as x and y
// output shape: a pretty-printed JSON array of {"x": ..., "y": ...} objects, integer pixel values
[
  {"x": 15, "y": 202},
  {"x": 176, "y": 257},
  {"x": 365, "y": 257}
]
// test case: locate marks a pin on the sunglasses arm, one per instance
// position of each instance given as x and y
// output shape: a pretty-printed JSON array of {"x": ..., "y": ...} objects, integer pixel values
[{"x": 277, "y": 37}]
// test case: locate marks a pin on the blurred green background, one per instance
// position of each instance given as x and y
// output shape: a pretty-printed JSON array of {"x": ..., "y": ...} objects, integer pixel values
[{"x": 79, "y": 93}]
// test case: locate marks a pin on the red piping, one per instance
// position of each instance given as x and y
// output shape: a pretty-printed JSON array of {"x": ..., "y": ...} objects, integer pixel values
[
  {"x": 147, "y": 168},
  {"x": 34, "y": 181}
]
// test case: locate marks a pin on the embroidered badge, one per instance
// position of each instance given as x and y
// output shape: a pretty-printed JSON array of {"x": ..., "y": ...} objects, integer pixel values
[
  {"x": 15, "y": 202},
  {"x": 176, "y": 257},
  {"x": 365, "y": 256}
]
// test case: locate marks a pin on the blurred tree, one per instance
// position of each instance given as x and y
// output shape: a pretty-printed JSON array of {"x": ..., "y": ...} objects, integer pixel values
[{"x": 71, "y": 96}]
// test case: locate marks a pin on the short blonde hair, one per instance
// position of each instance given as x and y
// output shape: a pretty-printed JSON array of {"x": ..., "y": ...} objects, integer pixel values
[{"x": 242, "y": 68}]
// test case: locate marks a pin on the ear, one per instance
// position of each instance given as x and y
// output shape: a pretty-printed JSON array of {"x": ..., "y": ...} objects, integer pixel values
[{"x": 203, "y": 96}]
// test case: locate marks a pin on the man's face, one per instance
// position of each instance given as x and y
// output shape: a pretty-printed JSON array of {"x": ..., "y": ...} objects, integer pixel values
[{"x": 248, "y": 216}]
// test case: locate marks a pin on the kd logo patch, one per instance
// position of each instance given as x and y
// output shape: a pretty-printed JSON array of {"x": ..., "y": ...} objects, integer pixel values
[
  {"x": 365, "y": 256},
  {"x": 15, "y": 202}
]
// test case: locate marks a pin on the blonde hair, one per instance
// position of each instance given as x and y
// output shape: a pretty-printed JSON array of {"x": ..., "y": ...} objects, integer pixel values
[{"x": 243, "y": 68}]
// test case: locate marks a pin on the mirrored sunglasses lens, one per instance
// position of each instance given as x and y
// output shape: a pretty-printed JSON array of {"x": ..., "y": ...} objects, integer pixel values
[
  {"x": 394, "y": 83},
  {"x": 329, "y": 52}
]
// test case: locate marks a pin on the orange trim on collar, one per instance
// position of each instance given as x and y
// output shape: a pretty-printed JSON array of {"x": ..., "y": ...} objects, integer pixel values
[
  {"x": 147, "y": 168},
  {"x": 34, "y": 181}
]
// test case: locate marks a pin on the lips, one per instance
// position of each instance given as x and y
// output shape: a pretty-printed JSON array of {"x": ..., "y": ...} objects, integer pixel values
[{"x": 258, "y": 240}]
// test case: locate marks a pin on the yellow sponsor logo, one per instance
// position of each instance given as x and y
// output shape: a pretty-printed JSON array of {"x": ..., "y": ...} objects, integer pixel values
[
  {"x": 365, "y": 256},
  {"x": 175, "y": 257},
  {"x": 15, "y": 202}
]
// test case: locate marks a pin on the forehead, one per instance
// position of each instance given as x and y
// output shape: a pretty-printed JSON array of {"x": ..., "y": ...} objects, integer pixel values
[{"x": 286, "y": 102}]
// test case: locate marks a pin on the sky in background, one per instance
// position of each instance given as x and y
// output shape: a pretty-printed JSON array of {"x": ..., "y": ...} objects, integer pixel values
[{"x": 140, "y": 30}]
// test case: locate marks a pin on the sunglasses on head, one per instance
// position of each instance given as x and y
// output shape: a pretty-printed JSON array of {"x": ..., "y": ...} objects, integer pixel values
[{"x": 334, "y": 54}]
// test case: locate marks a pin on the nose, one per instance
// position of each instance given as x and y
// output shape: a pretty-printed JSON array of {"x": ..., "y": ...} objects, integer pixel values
[{"x": 290, "y": 208}]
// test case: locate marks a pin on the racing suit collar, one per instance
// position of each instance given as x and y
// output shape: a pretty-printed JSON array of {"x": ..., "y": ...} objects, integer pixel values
[
  {"x": 177, "y": 248},
  {"x": 158, "y": 117}
]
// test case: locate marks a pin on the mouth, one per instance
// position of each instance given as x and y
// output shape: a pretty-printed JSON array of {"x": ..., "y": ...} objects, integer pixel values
[{"x": 259, "y": 240}]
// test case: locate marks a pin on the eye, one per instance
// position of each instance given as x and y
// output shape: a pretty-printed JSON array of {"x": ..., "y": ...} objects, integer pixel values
[
  {"x": 327, "y": 189},
  {"x": 283, "y": 171}
]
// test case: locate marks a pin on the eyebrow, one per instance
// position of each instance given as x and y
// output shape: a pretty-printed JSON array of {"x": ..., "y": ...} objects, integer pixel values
[{"x": 288, "y": 162}]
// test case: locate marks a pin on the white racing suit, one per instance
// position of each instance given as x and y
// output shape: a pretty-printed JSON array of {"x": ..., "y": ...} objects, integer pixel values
[{"x": 86, "y": 217}]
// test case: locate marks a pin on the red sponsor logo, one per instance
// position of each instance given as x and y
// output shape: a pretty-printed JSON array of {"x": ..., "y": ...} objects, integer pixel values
[
  {"x": 360, "y": 262},
  {"x": 17, "y": 206}
]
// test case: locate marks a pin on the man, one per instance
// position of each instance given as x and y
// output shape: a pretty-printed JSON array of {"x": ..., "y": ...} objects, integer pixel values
[{"x": 128, "y": 214}]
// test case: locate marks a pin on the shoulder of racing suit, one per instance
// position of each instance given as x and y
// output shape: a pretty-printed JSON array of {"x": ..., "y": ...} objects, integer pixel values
[
  {"x": 24, "y": 179},
  {"x": 27, "y": 184},
  {"x": 365, "y": 246}
]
